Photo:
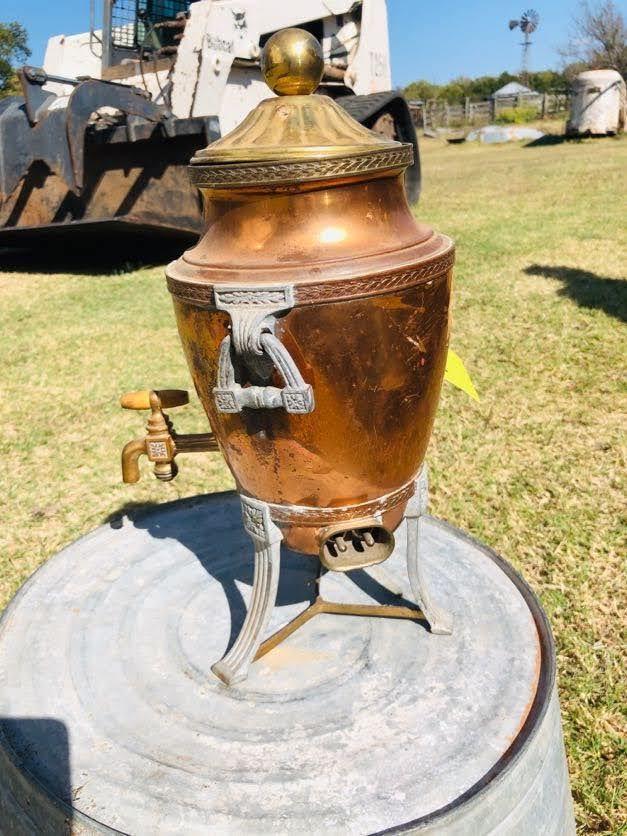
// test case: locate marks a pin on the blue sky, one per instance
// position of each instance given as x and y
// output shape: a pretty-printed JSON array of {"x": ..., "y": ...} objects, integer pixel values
[{"x": 433, "y": 40}]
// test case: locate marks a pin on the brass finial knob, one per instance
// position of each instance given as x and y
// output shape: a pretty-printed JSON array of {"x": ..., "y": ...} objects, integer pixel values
[{"x": 292, "y": 63}]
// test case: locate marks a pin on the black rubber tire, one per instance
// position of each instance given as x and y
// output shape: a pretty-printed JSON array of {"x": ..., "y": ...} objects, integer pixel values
[{"x": 368, "y": 109}]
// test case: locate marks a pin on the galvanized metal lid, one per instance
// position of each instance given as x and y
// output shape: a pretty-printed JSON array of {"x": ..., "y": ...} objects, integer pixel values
[
  {"x": 296, "y": 137},
  {"x": 109, "y": 710}
]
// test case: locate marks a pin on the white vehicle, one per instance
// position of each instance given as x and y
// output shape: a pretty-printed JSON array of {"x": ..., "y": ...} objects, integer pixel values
[{"x": 102, "y": 135}]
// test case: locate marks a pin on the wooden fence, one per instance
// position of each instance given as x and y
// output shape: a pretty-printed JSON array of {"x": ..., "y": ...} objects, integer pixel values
[{"x": 436, "y": 113}]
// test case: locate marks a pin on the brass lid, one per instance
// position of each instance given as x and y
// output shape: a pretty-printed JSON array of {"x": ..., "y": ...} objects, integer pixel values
[{"x": 297, "y": 136}]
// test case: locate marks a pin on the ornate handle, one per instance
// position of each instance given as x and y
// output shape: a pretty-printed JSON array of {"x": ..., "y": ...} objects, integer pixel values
[
  {"x": 295, "y": 397},
  {"x": 253, "y": 312}
]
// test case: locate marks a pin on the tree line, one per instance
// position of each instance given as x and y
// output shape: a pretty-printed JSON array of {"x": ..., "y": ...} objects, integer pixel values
[{"x": 477, "y": 89}]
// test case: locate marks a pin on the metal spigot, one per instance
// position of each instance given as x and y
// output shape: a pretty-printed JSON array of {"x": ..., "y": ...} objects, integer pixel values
[{"x": 161, "y": 443}]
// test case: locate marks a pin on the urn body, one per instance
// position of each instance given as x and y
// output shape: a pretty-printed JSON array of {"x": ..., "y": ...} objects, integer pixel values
[{"x": 366, "y": 326}]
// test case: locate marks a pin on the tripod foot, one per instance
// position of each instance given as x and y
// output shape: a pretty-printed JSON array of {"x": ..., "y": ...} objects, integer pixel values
[
  {"x": 266, "y": 538},
  {"x": 439, "y": 620}
]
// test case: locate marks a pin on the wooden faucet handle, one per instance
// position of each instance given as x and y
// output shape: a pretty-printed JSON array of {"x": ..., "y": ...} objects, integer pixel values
[{"x": 141, "y": 399}]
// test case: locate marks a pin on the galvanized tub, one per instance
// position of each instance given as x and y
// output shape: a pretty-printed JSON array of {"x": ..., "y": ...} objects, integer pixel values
[{"x": 111, "y": 720}]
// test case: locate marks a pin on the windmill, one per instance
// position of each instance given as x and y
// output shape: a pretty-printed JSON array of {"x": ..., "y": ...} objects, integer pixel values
[{"x": 528, "y": 23}]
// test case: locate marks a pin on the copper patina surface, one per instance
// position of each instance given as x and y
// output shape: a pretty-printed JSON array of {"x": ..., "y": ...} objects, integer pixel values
[{"x": 302, "y": 196}]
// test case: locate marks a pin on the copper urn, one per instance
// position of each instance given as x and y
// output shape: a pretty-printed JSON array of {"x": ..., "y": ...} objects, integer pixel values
[{"x": 314, "y": 316}]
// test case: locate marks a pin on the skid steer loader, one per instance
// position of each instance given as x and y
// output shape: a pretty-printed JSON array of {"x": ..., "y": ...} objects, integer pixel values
[{"x": 100, "y": 140}]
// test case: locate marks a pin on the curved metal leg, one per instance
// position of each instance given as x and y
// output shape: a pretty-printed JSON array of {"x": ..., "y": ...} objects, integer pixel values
[
  {"x": 440, "y": 621},
  {"x": 267, "y": 541}
]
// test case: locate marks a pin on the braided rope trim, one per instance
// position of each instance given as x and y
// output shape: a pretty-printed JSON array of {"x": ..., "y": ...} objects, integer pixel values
[
  {"x": 309, "y": 516},
  {"x": 201, "y": 295},
  {"x": 373, "y": 285},
  {"x": 260, "y": 174},
  {"x": 253, "y": 296}
]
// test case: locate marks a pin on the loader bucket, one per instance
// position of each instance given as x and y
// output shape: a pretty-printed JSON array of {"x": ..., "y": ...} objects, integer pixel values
[
  {"x": 59, "y": 173},
  {"x": 129, "y": 188}
]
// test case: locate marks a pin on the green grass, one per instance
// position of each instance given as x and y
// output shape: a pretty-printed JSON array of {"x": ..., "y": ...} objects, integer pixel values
[
  {"x": 535, "y": 470},
  {"x": 516, "y": 115}
]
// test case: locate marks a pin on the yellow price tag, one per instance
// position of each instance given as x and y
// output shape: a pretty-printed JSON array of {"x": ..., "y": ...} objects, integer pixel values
[{"x": 455, "y": 372}]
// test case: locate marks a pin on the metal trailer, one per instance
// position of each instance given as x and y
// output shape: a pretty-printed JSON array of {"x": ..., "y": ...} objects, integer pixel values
[{"x": 598, "y": 104}]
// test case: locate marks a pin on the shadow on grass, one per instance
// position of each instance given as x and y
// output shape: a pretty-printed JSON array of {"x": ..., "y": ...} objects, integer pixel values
[
  {"x": 587, "y": 289},
  {"x": 547, "y": 139},
  {"x": 92, "y": 258},
  {"x": 558, "y": 139}
]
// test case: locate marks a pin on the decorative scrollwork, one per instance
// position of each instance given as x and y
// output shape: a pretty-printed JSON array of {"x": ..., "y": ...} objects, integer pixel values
[
  {"x": 253, "y": 296},
  {"x": 311, "y": 294},
  {"x": 250, "y": 309},
  {"x": 261, "y": 174},
  {"x": 336, "y": 290}
]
